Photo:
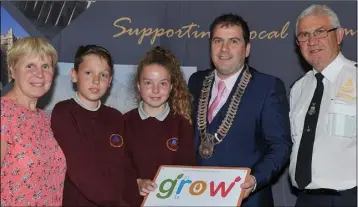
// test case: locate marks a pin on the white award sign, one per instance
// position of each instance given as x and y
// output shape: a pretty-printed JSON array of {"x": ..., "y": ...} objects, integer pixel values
[{"x": 197, "y": 186}]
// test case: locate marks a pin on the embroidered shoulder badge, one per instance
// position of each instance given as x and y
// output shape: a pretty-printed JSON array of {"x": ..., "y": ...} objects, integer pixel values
[
  {"x": 346, "y": 89},
  {"x": 348, "y": 86}
]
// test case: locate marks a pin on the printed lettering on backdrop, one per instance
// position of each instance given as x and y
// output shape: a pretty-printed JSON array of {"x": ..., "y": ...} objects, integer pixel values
[{"x": 197, "y": 186}]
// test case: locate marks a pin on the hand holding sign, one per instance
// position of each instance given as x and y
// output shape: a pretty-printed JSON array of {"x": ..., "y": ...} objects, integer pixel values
[
  {"x": 145, "y": 186},
  {"x": 248, "y": 186}
]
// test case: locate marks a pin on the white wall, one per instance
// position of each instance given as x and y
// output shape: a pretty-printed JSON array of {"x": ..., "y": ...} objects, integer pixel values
[{"x": 121, "y": 95}]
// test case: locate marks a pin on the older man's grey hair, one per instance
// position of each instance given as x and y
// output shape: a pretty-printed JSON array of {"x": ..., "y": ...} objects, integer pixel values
[{"x": 316, "y": 9}]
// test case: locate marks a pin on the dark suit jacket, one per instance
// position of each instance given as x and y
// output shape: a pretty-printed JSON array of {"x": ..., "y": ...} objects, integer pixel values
[{"x": 259, "y": 137}]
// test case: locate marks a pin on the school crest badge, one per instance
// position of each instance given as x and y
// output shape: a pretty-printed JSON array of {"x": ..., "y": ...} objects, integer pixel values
[
  {"x": 116, "y": 140},
  {"x": 173, "y": 144}
]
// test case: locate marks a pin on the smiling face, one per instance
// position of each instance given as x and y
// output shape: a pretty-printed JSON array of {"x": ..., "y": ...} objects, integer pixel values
[
  {"x": 93, "y": 78},
  {"x": 33, "y": 74},
  {"x": 154, "y": 87},
  {"x": 319, "y": 52},
  {"x": 228, "y": 50}
]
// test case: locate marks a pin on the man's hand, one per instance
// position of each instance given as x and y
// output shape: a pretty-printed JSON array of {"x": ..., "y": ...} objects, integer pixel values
[
  {"x": 248, "y": 186},
  {"x": 145, "y": 186}
]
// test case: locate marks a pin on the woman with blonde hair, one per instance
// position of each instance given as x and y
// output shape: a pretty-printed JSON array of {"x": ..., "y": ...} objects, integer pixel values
[
  {"x": 33, "y": 166},
  {"x": 160, "y": 130}
]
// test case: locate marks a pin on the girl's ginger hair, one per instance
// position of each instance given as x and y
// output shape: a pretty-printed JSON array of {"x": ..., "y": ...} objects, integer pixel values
[{"x": 179, "y": 98}]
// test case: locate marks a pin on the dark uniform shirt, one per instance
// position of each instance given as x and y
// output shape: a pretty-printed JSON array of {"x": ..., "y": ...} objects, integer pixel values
[
  {"x": 99, "y": 172},
  {"x": 156, "y": 141}
]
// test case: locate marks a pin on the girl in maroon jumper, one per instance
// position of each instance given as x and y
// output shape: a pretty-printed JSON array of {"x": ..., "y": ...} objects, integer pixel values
[
  {"x": 91, "y": 136},
  {"x": 160, "y": 130}
]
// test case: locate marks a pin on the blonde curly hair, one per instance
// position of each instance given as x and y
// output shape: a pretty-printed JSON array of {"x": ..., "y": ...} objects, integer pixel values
[{"x": 179, "y": 98}]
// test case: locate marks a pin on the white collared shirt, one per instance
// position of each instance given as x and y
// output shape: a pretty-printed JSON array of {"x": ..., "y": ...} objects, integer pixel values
[
  {"x": 334, "y": 153},
  {"x": 229, "y": 84},
  {"x": 78, "y": 100},
  {"x": 143, "y": 115}
]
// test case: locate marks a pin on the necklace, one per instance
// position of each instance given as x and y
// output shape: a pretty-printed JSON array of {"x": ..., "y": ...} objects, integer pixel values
[{"x": 208, "y": 141}]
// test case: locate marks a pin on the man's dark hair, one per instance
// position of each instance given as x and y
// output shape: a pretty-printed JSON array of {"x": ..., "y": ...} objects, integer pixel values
[{"x": 230, "y": 19}]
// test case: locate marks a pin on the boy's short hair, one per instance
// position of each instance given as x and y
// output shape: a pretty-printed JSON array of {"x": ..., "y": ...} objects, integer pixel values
[{"x": 82, "y": 51}]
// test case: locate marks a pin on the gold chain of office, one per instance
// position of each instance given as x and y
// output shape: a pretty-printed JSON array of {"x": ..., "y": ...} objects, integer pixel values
[{"x": 208, "y": 140}]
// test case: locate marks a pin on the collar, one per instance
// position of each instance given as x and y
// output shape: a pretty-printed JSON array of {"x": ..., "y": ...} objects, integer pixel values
[
  {"x": 143, "y": 115},
  {"x": 332, "y": 70},
  {"x": 230, "y": 81},
  {"x": 78, "y": 100}
]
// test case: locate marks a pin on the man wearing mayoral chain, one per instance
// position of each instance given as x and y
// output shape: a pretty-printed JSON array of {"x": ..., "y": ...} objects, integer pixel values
[{"x": 241, "y": 115}]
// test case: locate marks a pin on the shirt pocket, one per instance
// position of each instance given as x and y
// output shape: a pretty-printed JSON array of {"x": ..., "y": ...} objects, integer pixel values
[{"x": 342, "y": 119}]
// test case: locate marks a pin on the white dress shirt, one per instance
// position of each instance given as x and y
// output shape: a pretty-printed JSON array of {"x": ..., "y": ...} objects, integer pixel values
[
  {"x": 229, "y": 84},
  {"x": 334, "y": 159}
]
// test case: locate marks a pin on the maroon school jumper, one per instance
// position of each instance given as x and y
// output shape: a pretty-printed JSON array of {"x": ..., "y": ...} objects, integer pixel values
[
  {"x": 153, "y": 142},
  {"x": 98, "y": 174}
]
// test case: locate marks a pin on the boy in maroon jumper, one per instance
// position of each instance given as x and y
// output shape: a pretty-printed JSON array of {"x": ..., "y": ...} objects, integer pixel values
[
  {"x": 91, "y": 136},
  {"x": 160, "y": 130}
]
